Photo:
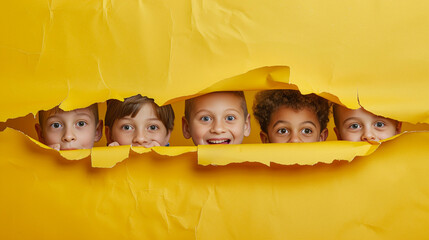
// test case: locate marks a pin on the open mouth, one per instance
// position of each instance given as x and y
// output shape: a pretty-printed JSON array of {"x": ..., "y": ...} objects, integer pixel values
[{"x": 218, "y": 141}]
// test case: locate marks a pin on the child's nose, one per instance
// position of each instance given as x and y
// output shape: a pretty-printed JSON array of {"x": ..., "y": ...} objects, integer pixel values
[
  {"x": 69, "y": 135},
  {"x": 140, "y": 138},
  {"x": 368, "y": 135},
  {"x": 294, "y": 138},
  {"x": 218, "y": 126}
]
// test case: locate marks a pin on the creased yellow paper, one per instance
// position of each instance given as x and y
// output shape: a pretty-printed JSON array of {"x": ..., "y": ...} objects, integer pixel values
[
  {"x": 149, "y": 196},
  {"x": 91, "y": 51},
  {"x": 283, "y": 153},
  {"x": 76, "y": 53},
  {"x": 108, "y": 157}
]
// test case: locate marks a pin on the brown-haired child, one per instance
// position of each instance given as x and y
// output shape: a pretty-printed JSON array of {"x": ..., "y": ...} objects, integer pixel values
[
  {"x": 138, "y": 121},
  {"x": 216, "y": 118},
  {"x": 289, "y": 116},
  {"x": 360, "y": 125},
  {"x": 68, "y": 130}
]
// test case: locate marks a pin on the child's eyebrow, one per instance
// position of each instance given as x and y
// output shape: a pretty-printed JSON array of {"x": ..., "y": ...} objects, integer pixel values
[
  {"x": 202, "y": 111},
  {"x": 351, "y": 118},
  {"x": 232, "y": 109},
  {"x": 130, "y": 118},
  {"x": 283, "y": 121},
  {"x": 154, "y": 119},
  {"x": 310, "y": 122},
  {"x": 50, "y": 117},
  {"x": 280, "y": 121},
  {"x": 83, "y": 114}
]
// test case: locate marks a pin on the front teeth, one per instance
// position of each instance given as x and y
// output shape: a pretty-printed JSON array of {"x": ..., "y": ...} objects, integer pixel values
[{"x": 217, "y": 141}]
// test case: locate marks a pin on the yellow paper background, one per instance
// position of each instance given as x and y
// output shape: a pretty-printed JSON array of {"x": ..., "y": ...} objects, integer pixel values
[
  {"x": 171, "y": 49},
  {"x": 75, "y": 53},
  {"x": 149, "y": 196}
]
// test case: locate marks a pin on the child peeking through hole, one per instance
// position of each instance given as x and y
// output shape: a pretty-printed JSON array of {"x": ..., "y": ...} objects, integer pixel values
[
  {"x": 216, "y": 118},
  {"x": 361, "y": 125},
  {"x": 138, "y": 121},
  {"x": 68, "y": 130},
  {"x": 287, "y": 116}
]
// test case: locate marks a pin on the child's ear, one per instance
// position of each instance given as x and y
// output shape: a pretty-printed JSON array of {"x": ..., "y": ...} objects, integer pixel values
[
  {"x": 398, "y": 127},
  {"x": 247, "y": 126},
  {"x": 98, "y": 131},
  {"x": 337, "y": 132},
  {"x": 108, "y": 134},
  {"x": 323, "y": 135},
  {"x": 264, "y": 137},
  {"x": 185, "y": 128},
  {"x": 39, "y": 132}
]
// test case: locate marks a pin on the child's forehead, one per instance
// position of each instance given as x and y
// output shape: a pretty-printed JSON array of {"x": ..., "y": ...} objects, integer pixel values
[
  {"x": 224, "y": 100},
  {"x": 146, "y": 109},
  {"x": 304, "y": 114},
  {"x": 81, "y": 112},
  {"x": 360, "y": 113}
]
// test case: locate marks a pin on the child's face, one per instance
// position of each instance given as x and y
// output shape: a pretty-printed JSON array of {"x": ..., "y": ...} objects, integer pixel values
[
  {"x": 217, "y": 118},
  {"x": 361, "y": 125},
  {"x": 75, "y": 129},
  {"x": 145, "y": 129},
  {"x": 288, "y": 125}
]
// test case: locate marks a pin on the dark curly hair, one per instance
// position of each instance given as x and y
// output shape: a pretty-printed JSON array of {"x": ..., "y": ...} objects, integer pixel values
[{"x": 267, "y": 102}]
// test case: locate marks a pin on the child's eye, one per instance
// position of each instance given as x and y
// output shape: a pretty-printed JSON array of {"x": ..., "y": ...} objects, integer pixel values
[
  {"x": 230, "y": 118},
  {"x": 306, "y": 131},
  {"x": 379, "y": 124},
  {"x": 127, "y": 127},
  {"x": 81, "y": 123},
  {"x": 282, "y": 131},
  {"x": 355, "y": 126},
  {"x": 56, "y": 125},
  {"x": 153, "y": 127},
  {"x": 206, "y": 118}
]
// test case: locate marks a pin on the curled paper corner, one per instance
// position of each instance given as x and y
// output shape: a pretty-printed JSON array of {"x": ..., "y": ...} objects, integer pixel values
[
  {"x": 77, "y": 154},
  {"x": 108, "y": 157},
  {"x": 268, "y": 77},
  {"x": 32, "y": 139},
  {"x": 397, "y": 136},
  {"x": 284, "y": 153}
]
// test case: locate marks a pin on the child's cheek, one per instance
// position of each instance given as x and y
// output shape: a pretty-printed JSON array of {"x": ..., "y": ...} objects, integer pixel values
[{"x": 123, "y": 139}]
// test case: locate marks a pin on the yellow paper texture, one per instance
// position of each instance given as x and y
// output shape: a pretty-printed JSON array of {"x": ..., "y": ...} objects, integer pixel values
[
  {"x": 95, "y": 50},
  {"x": 149, "y": 196},
  {"x": 107, "y": 157},
  {"x": 283, "y": 153},
  {"x": 76, "y": 53},
  {"x": 76, "y": 154}
]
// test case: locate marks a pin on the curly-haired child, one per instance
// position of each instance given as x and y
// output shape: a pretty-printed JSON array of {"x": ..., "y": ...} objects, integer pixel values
[{"x": 288, "y": 116}]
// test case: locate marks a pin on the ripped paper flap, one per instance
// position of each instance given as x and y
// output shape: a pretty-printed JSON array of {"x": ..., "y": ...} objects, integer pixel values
[{"x": 150, "y": 196}]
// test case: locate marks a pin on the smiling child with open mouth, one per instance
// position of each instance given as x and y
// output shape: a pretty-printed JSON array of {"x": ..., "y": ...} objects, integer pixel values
[{"x": 216, "y": 118}]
